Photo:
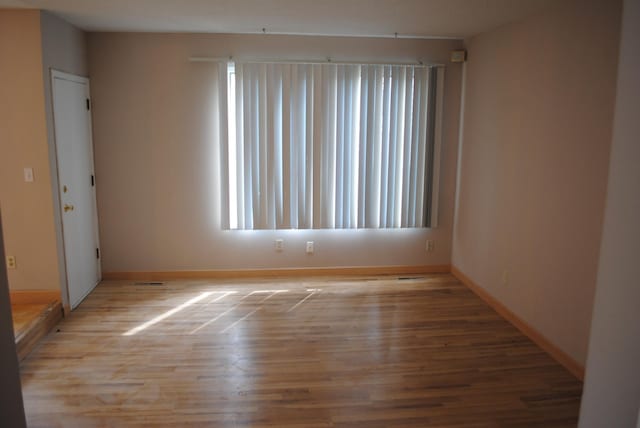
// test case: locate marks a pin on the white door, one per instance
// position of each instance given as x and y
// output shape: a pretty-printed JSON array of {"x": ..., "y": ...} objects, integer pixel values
[{"x": 74, "y": 150}]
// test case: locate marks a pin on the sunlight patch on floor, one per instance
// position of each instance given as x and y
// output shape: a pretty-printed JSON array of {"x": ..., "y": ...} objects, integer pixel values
[{"x": 173, "y": 311}]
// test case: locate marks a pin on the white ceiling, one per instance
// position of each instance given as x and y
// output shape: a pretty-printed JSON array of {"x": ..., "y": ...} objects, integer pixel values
[{"x": 413, "y": 18}]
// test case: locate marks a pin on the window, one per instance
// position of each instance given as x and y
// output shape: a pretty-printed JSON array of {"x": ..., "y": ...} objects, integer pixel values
[{"x": 331, "y": 145}]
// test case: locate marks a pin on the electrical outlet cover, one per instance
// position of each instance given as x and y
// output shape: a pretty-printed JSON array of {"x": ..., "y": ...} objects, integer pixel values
[
  {"x": 430, "y": 245},
  {"x": 279, "y": 244},
  {"x": 11, "y": 262}
]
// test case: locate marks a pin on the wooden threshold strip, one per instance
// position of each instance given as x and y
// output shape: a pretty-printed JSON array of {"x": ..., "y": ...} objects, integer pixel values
[
  {"x": 556, "y": 353},
  {"x": 270, "y": 273}
]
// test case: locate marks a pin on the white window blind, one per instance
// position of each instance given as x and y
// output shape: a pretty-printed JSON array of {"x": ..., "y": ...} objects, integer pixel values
[{"x": 330, "y": 146}]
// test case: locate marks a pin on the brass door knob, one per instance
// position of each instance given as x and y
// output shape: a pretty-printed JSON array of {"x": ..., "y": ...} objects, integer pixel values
[{"x": 68, "y": 208}]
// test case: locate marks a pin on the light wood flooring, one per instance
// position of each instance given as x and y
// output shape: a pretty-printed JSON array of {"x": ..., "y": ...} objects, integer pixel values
[
  {"x": 31, "y": 322},
  {"x": 24, "y": 314},
  {"x": 339, "y": 352}
]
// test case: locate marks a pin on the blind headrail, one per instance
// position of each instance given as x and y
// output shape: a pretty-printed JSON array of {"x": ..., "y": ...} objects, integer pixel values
[{"x": 311, "y": 61}]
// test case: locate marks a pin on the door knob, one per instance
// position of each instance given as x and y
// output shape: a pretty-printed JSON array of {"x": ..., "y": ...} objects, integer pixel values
[{"x": 68, "y": 207}]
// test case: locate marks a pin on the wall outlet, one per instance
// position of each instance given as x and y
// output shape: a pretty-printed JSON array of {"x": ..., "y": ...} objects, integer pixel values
[
  {"x": 505, "y": 277},
  {"x": 309, "y": 248},
  {"x": 11, "y": 262},
  {"x": 430, "y": 245},
  {"x": 279, "y": 244}
]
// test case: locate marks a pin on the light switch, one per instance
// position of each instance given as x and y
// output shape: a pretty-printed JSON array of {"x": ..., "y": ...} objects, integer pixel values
[{"x": 28, "y": 175}]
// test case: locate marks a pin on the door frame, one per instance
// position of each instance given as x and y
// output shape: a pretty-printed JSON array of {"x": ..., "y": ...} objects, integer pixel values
[{"x": 57, "y": 74}]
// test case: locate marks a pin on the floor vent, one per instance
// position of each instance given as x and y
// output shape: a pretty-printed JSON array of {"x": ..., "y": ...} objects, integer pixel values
[{"x": 148, "y": 283}]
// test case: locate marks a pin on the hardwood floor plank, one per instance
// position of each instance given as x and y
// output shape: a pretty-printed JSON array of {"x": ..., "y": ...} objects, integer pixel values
[{"x": 312, "y": 352}]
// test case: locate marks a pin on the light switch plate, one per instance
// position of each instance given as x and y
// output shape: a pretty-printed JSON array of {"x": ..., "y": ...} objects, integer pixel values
[{"x": 28, "y": 175}]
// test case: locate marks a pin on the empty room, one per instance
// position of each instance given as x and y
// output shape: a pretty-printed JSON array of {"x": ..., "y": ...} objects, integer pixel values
[{"x": 296, "y": 213}]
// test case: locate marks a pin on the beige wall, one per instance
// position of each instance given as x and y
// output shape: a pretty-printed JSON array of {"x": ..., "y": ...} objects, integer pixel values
[
  {"x": 63, "y": 49},
  {"x": 156, "y": 176},
  {"x": 534, "y": 161},
  {"x": 27, "y": 208},
  {"x": 612, "y": 384}
]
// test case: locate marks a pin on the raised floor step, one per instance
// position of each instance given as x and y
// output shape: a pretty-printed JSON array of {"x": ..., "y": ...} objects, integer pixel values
[{"x": 32, "y": 321}]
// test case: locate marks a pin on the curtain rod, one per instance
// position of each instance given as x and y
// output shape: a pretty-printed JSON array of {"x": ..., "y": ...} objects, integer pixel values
[{"x": 310, "y": 62}]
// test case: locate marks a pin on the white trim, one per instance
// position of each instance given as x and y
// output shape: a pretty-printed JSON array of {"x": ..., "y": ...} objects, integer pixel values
[{"x": 56, "y": 74}]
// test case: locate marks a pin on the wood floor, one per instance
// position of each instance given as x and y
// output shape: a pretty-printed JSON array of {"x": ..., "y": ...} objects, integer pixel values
[
  {"x": 25, "y": 314},
  {"x": 31, "y": 322},
  {"x": 341, "y": 352}
]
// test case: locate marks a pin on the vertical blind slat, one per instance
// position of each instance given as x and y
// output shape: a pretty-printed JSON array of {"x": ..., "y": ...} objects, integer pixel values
[
  {"x": 384, "y": 156},
  {"x": 362, "y": 143},
  {"x": 402, "y": 93},
  {"x": 263, "y": 180},
  {"x": 297, "y": 146},
  {"x": 355, "y": 161},
  {"x": 249, "y": 133},
  {"x": 255, "y": 148},
  {"x": 406, "y": 163},
  {"x": 223, "y": 126},
  {"x": 270, "y": 147},
  {"x": 339, "y": 138},
  {"x": 420, "y": 169},
  {"x": 430, "y": 144},
  {"x": 285, "y": 161},
  {"x": 314, "y": 155},
  {"x": 390, "y": 204},
  {"x": 372, "y": 116},
  {"x": 308, "y": 172},
  {"x": 239, "y": 160}
]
